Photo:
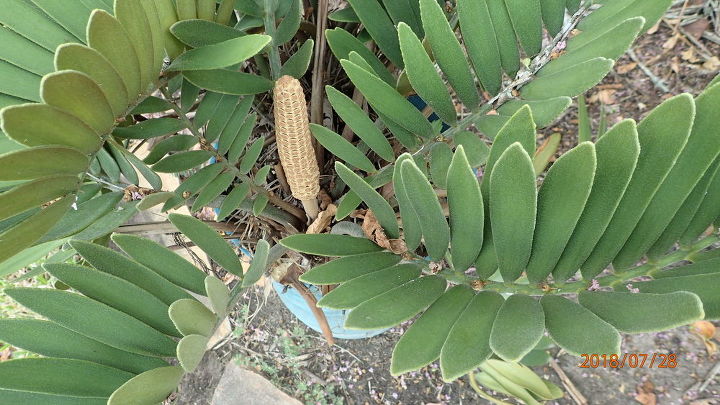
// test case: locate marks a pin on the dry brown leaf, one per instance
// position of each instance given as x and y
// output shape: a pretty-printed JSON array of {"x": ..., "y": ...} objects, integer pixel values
[
  {"x": 675, "y": 65},
  {"x": 325, "y": 199},
  {"x": 653, "y": 29},
  {"x": 646, "y": 393},
  {"x": 622, "y": 69},
  {"x": 697, "y": 28},
  {"x": 711, "y": 347},
  {"x": 603, "y": 95},
  {"x": 690, "y": 56},
  {"x": 387, "y": 191},
  {"x": 206, "y": 214},
  {"x": 323, "y": 220},
  {"x": 606, "y": 96},
  {"x": 671, "y": 42},
  {"x": 557, "y": 54},
  {"x": 372, "y": 229},
  {"x": 6, "y": 354},
  {"x": 712, "y": 64},
  {"x": 706, "y": 331}
]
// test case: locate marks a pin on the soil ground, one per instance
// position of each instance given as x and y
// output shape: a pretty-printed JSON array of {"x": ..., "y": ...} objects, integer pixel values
[{"x": 295, "y": 358}]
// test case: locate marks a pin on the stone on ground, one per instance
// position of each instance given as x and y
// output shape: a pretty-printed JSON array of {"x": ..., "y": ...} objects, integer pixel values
[{"x": 239, "y": 386}]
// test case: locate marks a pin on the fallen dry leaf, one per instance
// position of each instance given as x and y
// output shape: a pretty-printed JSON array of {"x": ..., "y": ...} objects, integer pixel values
[
  {"x": 206, "y": 214},
  {"x": 712, "y": 64},
  {"x": 372, "y": 229},
  {"x": 606, "y": 96},
  {"x": 323, "y": 219},
  {"x": 622, "y": 69},
  {"x": 325, "y": 199},
  {"x": 706, "y": 331},
  {"x": 653, "y": 29},
  {"x": 675, "y": 65},
  {"x": 671, "y": 42},
  {"x": 646, "y": 393},
  {"x": 697, "y": 28},
  {"x": 690, "y": 56}
]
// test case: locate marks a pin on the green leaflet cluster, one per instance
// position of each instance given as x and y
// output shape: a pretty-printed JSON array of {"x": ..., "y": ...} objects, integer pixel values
[
  {"x": 597, "y": 203},
  {"x": 223, "y": 124},
  {"x": 494, "y": 33},
  {"x": 515, "y": 380},
  {"x": 90, "y": 84},
  {"x": 110, "y": 340},
  {"x": 425, "y": 46},
  {"x": 93, "y": 78}
]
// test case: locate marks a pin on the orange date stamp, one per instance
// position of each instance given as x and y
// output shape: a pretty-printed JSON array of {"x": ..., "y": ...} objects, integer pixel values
[{"x": 630, "y": 360}]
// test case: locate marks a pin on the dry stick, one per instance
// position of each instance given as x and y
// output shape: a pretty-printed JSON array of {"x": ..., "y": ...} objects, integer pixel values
[
  {"x": 168, "y": 227},
  {"x": 316, "y": 99},
  {"x": 575, "y": 394},
  {"x": 700, "y": 386},
  {"x": 280, "y": 173},
  {"x": 294, "y": 143},
  {"x": 291, "y": 278},
  {"x": 691, "y": 40},
  {"x": 658, "y": 82}
]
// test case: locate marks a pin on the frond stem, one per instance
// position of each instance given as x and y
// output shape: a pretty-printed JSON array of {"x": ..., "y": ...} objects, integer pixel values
[{"x": 613, "y": 280}]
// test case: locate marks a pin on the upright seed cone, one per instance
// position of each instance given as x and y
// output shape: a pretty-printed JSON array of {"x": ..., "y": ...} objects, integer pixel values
[{"x": 294, "y": 142}]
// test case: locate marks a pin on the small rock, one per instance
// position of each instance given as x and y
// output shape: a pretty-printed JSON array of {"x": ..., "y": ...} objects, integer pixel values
[{"x": 239, "y": 386}]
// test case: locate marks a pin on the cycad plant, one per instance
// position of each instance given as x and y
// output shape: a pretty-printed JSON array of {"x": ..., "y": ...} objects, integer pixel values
[
  {"x": 131, "y": 327},
  {"x": 460, "y": 230}
]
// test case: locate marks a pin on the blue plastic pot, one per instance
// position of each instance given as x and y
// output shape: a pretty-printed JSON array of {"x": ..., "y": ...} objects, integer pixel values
[{"x": 336, "y": 318}]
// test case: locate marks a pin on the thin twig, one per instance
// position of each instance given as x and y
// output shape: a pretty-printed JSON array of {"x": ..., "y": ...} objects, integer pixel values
[
  {"x": 699, "y": 46},
  {"x": 108, "y": 184},
  {"x": 575, "y": 394},
  {"x": 658, "y": 82},
  {"x": 291, "y": 278},
  {"x": 700, "y": 386}
]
